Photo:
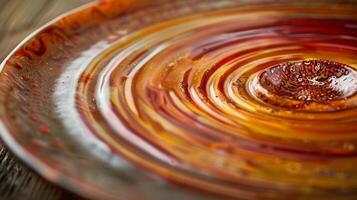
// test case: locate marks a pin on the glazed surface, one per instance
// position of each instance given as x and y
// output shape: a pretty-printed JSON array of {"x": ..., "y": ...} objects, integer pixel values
[{"x": 232, "y": 100}]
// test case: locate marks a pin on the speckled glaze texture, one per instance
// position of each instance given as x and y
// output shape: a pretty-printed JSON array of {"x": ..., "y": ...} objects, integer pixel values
[
  {"x": 311, "y": 85},
  {"x": 189, "y": 100}
]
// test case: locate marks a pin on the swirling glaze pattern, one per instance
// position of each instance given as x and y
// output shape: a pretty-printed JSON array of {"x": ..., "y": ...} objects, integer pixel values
[
  {"x": 182, "y": 94},
  {"x": 240, "y": 102}
]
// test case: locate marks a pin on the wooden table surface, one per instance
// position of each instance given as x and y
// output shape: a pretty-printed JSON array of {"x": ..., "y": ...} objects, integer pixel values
[{"x": 18, "y": 18}]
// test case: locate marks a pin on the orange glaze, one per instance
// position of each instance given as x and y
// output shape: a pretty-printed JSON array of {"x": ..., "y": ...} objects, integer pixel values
[
  {"x": 183, "y": 93},
  {"x": 246, "y": 102}
]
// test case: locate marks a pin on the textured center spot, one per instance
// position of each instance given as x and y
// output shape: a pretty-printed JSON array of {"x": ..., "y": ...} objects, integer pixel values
[{"x": 311, "y": 80}]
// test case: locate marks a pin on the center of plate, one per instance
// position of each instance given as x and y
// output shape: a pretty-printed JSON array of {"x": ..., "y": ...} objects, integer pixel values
[
  {"x": 310, "y": 80},
  {"x": 306, "y": 83}
]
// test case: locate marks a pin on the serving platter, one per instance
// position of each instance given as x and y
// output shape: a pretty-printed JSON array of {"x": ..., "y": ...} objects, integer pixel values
[{"x": 189, "y": 99}]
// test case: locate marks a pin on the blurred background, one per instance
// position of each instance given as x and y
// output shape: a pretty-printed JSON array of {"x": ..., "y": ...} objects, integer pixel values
[{"x": 18, "y": 18}]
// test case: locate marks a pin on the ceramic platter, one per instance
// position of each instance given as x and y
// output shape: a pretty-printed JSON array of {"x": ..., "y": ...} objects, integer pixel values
[{"x": 189, "y": 100}]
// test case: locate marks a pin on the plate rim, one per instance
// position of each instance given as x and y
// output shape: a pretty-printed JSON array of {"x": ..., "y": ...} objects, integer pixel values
[{"x": 44, "y": 170}]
